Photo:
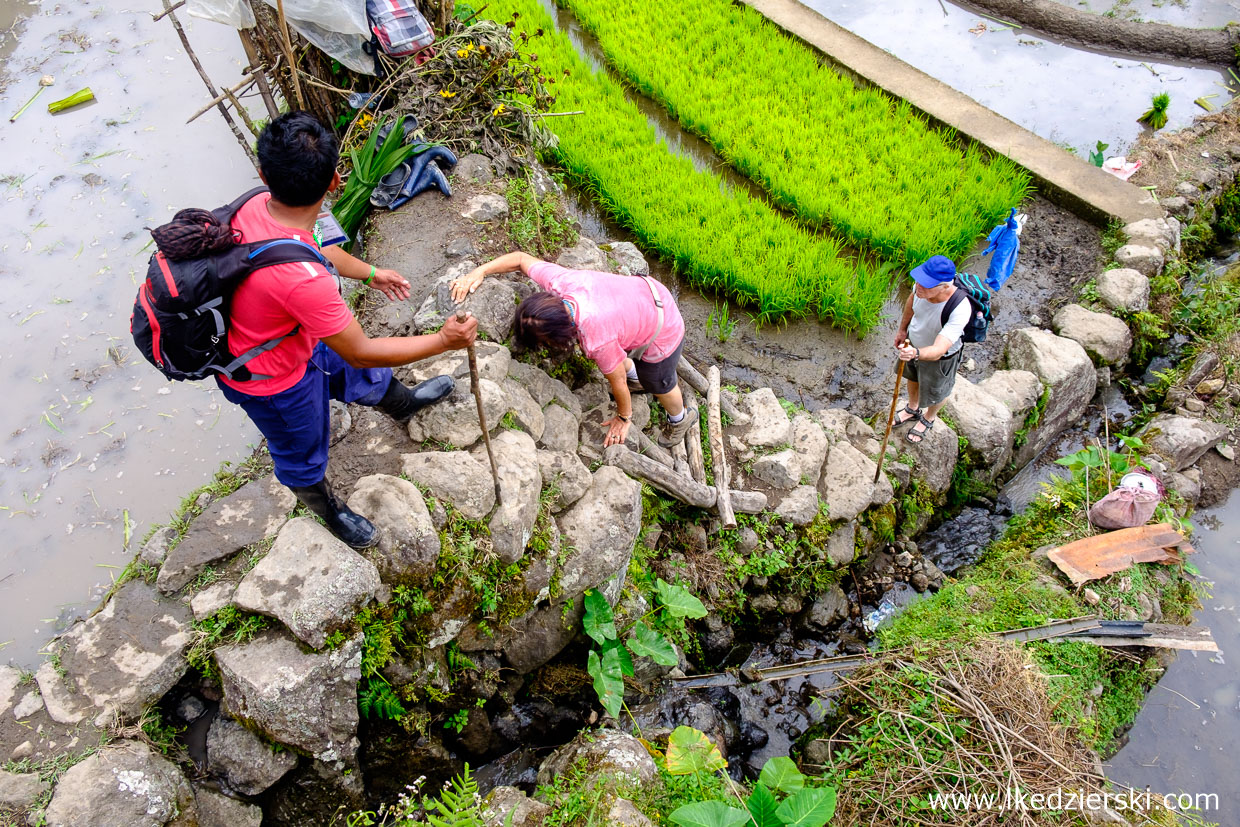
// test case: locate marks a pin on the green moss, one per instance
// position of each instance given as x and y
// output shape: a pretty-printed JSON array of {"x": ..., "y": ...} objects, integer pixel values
[
  {"x": 227, "y": 626},
  {"x": 1033, "y": 418}
]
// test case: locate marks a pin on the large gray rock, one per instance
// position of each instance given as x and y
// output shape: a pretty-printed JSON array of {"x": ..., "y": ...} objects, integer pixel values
[
  {"x": 629, "y": 260},
  {"x": 510, "y": 807},
  {"x": 608, "y": 756},
  {"x": 218, "y": 810},
  {"x": 565, "y": 472},
  {"x": 842, "y": 545},
  {"x": 391, "y": 319},
  {"x": 584, "y": 255},
  {"x": 601, "y": 529},
  {"x": 780, "y": 470},
  {"x": 768, "y": 421},
  {"x": 799, "y": 506},
  {"x": 485, "y": 208},
  {"x": 63, "y": 705},
  {"x": 10, "y": 680},
  {"x": 985, "y": 422},
  {"x": 1145, "y": 260},
  {"x": 250, "y": 514},
  {"x": 304, "y": 699},
  {"x": 847, "y": 482},
  {"x": 935, "y": 457},
  {"x": 19, "y": 790},
  {"x": 493, "y": 303},
  {"x": 129, "y": 654},
  {"x": 211, "y": 599},
  {"x": 810, "y": 442},
  {"x": 1154, "y": 232},
  {"x": 545, "y": 389},
  {"x": 454, "y": 421},
  {"x": 408, "y": 542},
  {"x": 456, "y": 478},
  {"x": 1124, "y": 289},
  {"x": 123, "y": 785},
  {"x": 310, "y": 581},
  {"x": 1103, "y": 336},
  {"x": 155, "y": 550},
  {"x": 1064, "y": 368},
  {"x": 829, "y": 609},
  {"x": 1181, "y": 440},
  {"x": 559, "y": 429},
  {"x": 624, "y": 813},
  {"x": 493, "y": 363},
  {"x": 1020, "y": 390},
  {"x": 242, "y": 760},
  {"x": 526, "y": 412},
  {"x": 520, "y": 483}
]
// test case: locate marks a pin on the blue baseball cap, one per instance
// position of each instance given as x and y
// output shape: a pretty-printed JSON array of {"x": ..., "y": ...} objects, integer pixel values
[{"x": 935, "y": 271}]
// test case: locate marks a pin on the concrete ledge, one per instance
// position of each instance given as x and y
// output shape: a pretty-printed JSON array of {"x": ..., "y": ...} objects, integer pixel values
[{"x": 1065, "y": 179}]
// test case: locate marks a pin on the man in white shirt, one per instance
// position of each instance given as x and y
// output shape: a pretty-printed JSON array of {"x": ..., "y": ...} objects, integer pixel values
[{"x": 929, "y": 344}]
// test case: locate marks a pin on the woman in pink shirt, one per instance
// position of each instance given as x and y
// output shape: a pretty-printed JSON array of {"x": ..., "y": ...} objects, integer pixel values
[{"x": 629, "y": 326}]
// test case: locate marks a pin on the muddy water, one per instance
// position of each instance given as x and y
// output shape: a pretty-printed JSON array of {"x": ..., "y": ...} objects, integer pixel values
[
  {"x": 1068, "y": 95},
  {"x": 90, "y": 433},
  {"x": 1186, "y": 737}
]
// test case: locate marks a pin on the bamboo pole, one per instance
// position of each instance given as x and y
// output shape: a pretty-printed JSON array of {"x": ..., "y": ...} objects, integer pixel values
[
  {"x": 288, "y": 54},
  {"x": 256, "y": 63},
  {"x": 719, "y": 459},
  {"x": 206, "y": 79},
  {"x": 227, "y": 93}
]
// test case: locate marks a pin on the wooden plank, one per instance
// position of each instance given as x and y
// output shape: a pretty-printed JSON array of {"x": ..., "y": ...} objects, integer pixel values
[
  {"x": 1104, "y": 554},
  {"x": 660, "y": 476},
  {"x": 1162, "y": 636}
]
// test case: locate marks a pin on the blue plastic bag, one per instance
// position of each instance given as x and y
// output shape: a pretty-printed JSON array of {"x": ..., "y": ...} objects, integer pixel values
[{"x": 1005, "y": 244}]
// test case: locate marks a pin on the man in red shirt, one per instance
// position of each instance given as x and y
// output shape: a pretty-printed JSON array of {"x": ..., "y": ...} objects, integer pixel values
[{"x": 324, "y": 354}]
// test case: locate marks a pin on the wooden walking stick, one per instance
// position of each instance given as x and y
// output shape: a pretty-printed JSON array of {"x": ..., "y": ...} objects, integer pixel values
[
  {"x": 461, "y": 316},
  {"x": 891, "y": 417}
]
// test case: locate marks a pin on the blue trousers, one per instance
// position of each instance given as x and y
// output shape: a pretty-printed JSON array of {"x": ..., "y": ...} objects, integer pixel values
[{"x": 297, "y": 421}]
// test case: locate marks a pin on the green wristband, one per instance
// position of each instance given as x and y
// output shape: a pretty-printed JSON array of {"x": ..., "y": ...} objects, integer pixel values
[{"x": 371, "y": 277}]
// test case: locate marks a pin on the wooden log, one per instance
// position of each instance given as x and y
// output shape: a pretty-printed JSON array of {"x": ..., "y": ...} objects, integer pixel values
[
  {"x": 719, "y": 458},
  {"x": 748, "y": 502},
  {"x": 647, "y": 446},
  {"x": 660, "y": 476},
  {"x": 680, "y": 460},
  {"x": 287, "y": 43},
  {"x": 694, "y": 379},
  {"x": 256, "y": 64},
  {"x": 221, "y": 96},
  {"x": 693, "y": 446}
]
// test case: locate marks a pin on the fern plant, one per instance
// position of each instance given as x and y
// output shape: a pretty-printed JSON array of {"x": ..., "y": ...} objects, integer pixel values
[
  {"x": 458, "y": 805},
  {"x": 377, "y": 699}
]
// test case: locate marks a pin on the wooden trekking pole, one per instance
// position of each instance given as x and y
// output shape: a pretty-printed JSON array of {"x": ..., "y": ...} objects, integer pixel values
[
  {"x": 891, "y": 417},
  {"x": 474, "y": 386}
]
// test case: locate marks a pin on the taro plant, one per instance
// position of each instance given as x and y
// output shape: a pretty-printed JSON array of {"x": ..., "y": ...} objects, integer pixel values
[
  {"x": 612, "y": 660},
  {"x": 1096, "y": 157},
  {"x": 782, "y": 796},
  {"x": 1156, "y": 116}
]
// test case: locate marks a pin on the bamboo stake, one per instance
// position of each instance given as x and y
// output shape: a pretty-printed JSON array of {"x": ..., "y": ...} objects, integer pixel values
[
  {"x": 719, "y": 459},
  {"x": 288, "y": 54},
  {"x": 693, "y": 442},
  {"x": 227, "y": 93},
  {"x": 202, "y": 73},
  {"x": 476, "y": 387},
  {"x": 264, "y": 88},
  {"x": 891, "y": 418},
  {"x": 167, "y": 11}
]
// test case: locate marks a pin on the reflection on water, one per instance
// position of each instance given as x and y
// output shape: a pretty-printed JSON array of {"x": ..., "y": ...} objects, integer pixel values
[
  {"x": 1185, "y": 738},
  {"x": 90, "y": 434},
  {"x": 1066, "y": 95}
]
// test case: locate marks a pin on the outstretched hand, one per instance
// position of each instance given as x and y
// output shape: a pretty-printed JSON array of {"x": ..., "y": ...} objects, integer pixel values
[
  {"x": 466, "y": 284},
  {"x": 391, "y": 284},
  {"x": 617, "y": 431}
]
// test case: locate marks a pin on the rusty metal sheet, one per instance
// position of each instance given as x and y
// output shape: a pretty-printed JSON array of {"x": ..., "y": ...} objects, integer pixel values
[{"x": 1104, "y": 554}]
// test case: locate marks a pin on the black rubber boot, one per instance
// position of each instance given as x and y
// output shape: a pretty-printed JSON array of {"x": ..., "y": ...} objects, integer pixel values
[
  {"x": 348, "y": 525},
  {"x": 401, "y": 402}
]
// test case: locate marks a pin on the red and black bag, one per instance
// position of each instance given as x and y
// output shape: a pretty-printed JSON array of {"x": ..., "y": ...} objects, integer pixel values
[{"x": 180, "y": 317}]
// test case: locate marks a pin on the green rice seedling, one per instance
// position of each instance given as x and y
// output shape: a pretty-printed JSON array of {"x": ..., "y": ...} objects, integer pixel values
[
  {"x": 719, "y": 238},
  {"x": 1156, "y": 116},
  {"x": 370, "y": 164},
  {"x": 836, "y": 155}
]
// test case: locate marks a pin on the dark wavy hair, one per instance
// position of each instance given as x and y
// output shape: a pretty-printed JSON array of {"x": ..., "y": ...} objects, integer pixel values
[
  {"x": 543, "y": 321},
  {"x": 298, "y": 156}
]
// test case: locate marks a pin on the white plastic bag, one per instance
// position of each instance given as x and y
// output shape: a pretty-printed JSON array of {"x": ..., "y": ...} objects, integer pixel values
[
  {"x": 235, "y": 13},
  {"x": 338, "y": 28}
]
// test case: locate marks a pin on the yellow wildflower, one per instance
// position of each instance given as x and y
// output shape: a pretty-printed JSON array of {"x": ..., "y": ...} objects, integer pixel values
[
  {"x": 444, "y": 93},
  {"x": 461, "y": 53}
]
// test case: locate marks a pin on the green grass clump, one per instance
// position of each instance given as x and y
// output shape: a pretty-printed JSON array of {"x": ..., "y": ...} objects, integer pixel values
[
  {"x": 719, "y": 238},
  {"x": 838, "y": 155}
]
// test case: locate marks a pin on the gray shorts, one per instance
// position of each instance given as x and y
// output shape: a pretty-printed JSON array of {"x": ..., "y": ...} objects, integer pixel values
[
  {"x": 660, "y": 377},
  {"x": 935, "y": 380}
]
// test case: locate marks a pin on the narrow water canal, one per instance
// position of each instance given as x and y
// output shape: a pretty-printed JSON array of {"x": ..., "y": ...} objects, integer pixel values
[{"x": 89, "y": 433}]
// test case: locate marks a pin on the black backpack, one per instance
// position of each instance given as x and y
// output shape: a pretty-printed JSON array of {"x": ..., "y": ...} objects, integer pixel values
[
  {"x": 180, "y": 317},
  {"x": 979, "y": 295}
]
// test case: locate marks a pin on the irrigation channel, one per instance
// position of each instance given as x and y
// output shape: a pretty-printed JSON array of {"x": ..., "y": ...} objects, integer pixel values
[{"x": 95, "y": 449}]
